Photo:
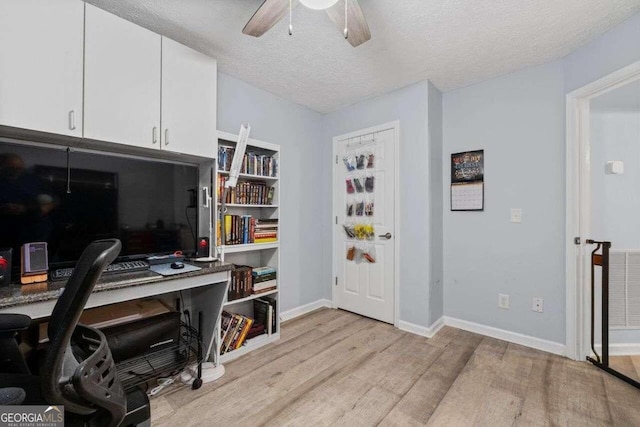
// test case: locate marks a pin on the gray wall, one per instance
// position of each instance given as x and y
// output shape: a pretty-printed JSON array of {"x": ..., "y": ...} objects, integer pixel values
[
  {"x": 305, "y": 260},
  {"x": 409, "y": 105},
  {"x": 615, "y": 199},
  {"x": 436, "y": 286},
  {"x": 518, "y": 119},
  {"x": 610, "y": 52}
]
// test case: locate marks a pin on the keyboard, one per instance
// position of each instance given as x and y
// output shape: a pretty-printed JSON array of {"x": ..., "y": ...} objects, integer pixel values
[{"x": 115, "y": 268}]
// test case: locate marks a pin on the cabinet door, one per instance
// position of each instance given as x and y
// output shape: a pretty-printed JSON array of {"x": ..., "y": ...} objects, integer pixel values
[
  {"x": 41, "y": 49},
  {"x": 188, "y": 100},
  {"x": 122, "y": 81}
]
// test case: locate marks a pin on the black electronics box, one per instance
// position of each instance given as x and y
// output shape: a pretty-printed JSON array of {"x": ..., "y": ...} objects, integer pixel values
[
  {"x": 143, "y": 336},
  {"x": 5, "y": 267},
  {"x": 133, "y": 328}
]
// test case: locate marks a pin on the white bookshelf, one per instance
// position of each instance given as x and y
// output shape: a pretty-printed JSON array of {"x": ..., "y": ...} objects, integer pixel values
[{"x": 252, "y": 254}]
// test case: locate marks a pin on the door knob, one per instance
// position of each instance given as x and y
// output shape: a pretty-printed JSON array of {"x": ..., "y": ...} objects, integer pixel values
[{"x": 386, "y": 236}]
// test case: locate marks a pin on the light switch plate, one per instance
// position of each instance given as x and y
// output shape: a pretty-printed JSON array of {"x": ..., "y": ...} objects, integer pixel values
[{"x": 503, "y": 301}]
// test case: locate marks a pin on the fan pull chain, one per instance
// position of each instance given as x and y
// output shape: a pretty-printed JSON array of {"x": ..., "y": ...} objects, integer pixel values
[
  {"x": 290, "y": 17},
  {"x": 346, "y": 19}
]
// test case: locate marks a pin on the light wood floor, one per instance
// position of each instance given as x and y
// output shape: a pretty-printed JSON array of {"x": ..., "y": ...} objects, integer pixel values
[
  {"x": 336, "y": 368},
  {"x": 628, "y": 365}
]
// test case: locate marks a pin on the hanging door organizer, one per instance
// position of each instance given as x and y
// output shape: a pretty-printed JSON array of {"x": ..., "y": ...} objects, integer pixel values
[{"x": 360, "y": 161}]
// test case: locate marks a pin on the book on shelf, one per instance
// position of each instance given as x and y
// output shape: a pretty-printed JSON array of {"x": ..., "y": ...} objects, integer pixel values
[
  {"x": 265, "y": 287},
  {"x": 253, "y": 163},
  {"x": 263, "y": 314},
  {"x": 234, "y": 331},
  {"x": 264, "y": 279},
  {"x": 272, "y": 303},
  {"x": 241, "y": 285},
  {"x": 245, "y": 229},
  {"x": 261, "y": 271},
  {"x": 232, "y": 326},
  {"x": 257, "y": 329},
  {"x": 246, "y": 193}
]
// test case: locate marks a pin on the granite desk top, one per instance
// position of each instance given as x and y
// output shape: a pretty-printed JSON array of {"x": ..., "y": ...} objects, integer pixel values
[{"x": 14, "y": 295}]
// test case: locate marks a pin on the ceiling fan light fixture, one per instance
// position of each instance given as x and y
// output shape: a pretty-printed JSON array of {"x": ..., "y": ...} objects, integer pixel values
[{"x": 318, "y": 4}]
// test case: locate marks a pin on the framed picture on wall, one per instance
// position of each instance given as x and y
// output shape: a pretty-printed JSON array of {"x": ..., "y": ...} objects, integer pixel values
[{"x": 467, "y": 181}]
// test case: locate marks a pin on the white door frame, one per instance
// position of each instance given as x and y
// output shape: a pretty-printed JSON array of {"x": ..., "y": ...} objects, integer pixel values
[
  {"x": 578, "y": 204},
  {"x": 395, "y": 125}
]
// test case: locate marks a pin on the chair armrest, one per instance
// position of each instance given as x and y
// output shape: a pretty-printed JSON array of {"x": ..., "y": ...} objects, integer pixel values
[{"x": 14, "y": 322}]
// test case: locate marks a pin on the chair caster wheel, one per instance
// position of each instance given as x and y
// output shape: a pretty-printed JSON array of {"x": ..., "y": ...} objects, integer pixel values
[{"x": 197, "y": 383}]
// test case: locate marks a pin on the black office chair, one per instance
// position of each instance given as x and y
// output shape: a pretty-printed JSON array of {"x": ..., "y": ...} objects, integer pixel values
[{"x": 78, "y": 370}]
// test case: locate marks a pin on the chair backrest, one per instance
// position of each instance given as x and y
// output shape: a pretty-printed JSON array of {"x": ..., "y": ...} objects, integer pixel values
[{"x": 92, "y": 361}]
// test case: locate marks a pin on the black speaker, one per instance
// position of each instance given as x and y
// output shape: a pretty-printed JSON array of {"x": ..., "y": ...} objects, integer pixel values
[{"x": 5, "y": 266}]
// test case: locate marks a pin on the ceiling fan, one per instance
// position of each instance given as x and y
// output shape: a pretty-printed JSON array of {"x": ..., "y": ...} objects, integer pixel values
[{"x": 346, "y": 14}]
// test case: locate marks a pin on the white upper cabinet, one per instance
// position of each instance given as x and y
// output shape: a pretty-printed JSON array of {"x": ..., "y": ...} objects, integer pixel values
[
  {"x": 122, "y": 81},
  {"x": 189, "y": 81},
  {"x": 41, "y": 54}
]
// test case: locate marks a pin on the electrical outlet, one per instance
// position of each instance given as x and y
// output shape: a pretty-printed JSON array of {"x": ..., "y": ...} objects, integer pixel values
[
  {"x": 503, "y": 301},
  {"x": 538, "y": 305},
  {"x": 516, "y": 215}
]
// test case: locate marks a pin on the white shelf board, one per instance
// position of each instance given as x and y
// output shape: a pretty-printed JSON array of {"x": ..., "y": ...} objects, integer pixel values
[
  {"x": 231, "y": 137},
  {"x": 249, "y": 298},
  {"x": 231, "y": 249},
  {"x": 240, "y": 205},
  {"x": 251, "y": 176},
  {"x": 249, "y": 346}
]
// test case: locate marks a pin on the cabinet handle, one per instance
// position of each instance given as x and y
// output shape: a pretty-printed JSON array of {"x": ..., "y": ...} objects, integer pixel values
[
  {"x": 72, "y": 120},
  {"x": 166, "y": 136},
  {"x": 155, "y": 134}
]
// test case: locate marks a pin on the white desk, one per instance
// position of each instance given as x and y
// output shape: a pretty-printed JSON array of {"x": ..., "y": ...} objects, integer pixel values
[{"x": 208, "y": 290}]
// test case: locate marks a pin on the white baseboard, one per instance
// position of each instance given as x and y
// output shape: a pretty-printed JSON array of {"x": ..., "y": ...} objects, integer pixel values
[
  {"x": 304, "y": 309},
  {"x": 630, "y": 349},
  {"x": 422, "y": 330},
  {"x": 502, "y": 334}
]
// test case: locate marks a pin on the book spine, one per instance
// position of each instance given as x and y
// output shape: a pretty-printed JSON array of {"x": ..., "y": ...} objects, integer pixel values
[{"x": 245, "y": 331}]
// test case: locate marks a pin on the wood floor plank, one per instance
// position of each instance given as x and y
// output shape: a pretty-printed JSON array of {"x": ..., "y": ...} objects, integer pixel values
[
  {"x": 370, "y": 409},
  {"x": 421, "y": 401},
  {"x": 624, "y": 365},
  {"x": 336, "y": 368},
  {"x": 334, "y": 363},
  {"x": 277, "y": 379},
  {"x": 237, "y": 375},
  {"x": 624, "y": 401},
  {"x": 636, "y": 362},
  {"x": 466, "y": 396}
]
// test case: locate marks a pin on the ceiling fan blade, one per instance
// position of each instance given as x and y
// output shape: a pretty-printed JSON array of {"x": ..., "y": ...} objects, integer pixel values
[
  {"x": 267, "y": 15},
  {"x": 358, "y": 28}
]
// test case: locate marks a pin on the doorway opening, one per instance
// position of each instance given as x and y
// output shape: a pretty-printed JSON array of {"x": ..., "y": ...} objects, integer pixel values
[{"x": 603, "y": 204}]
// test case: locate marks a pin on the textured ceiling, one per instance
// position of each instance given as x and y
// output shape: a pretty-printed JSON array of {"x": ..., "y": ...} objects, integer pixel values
[
  {"x": 625, "y": 98},
  {"x": 453, "y": 43}
]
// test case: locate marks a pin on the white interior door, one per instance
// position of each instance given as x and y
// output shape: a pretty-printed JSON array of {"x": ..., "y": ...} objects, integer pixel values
[{"x": 365, "y": 201}]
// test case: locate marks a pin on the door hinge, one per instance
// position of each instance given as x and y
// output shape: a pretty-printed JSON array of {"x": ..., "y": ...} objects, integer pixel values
[
  {"x": 336, "y": 160},
  {"x": 336, "y": 220},
  {"x": 576, "y": 240},
  {"x": 336, "y": 280}
]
